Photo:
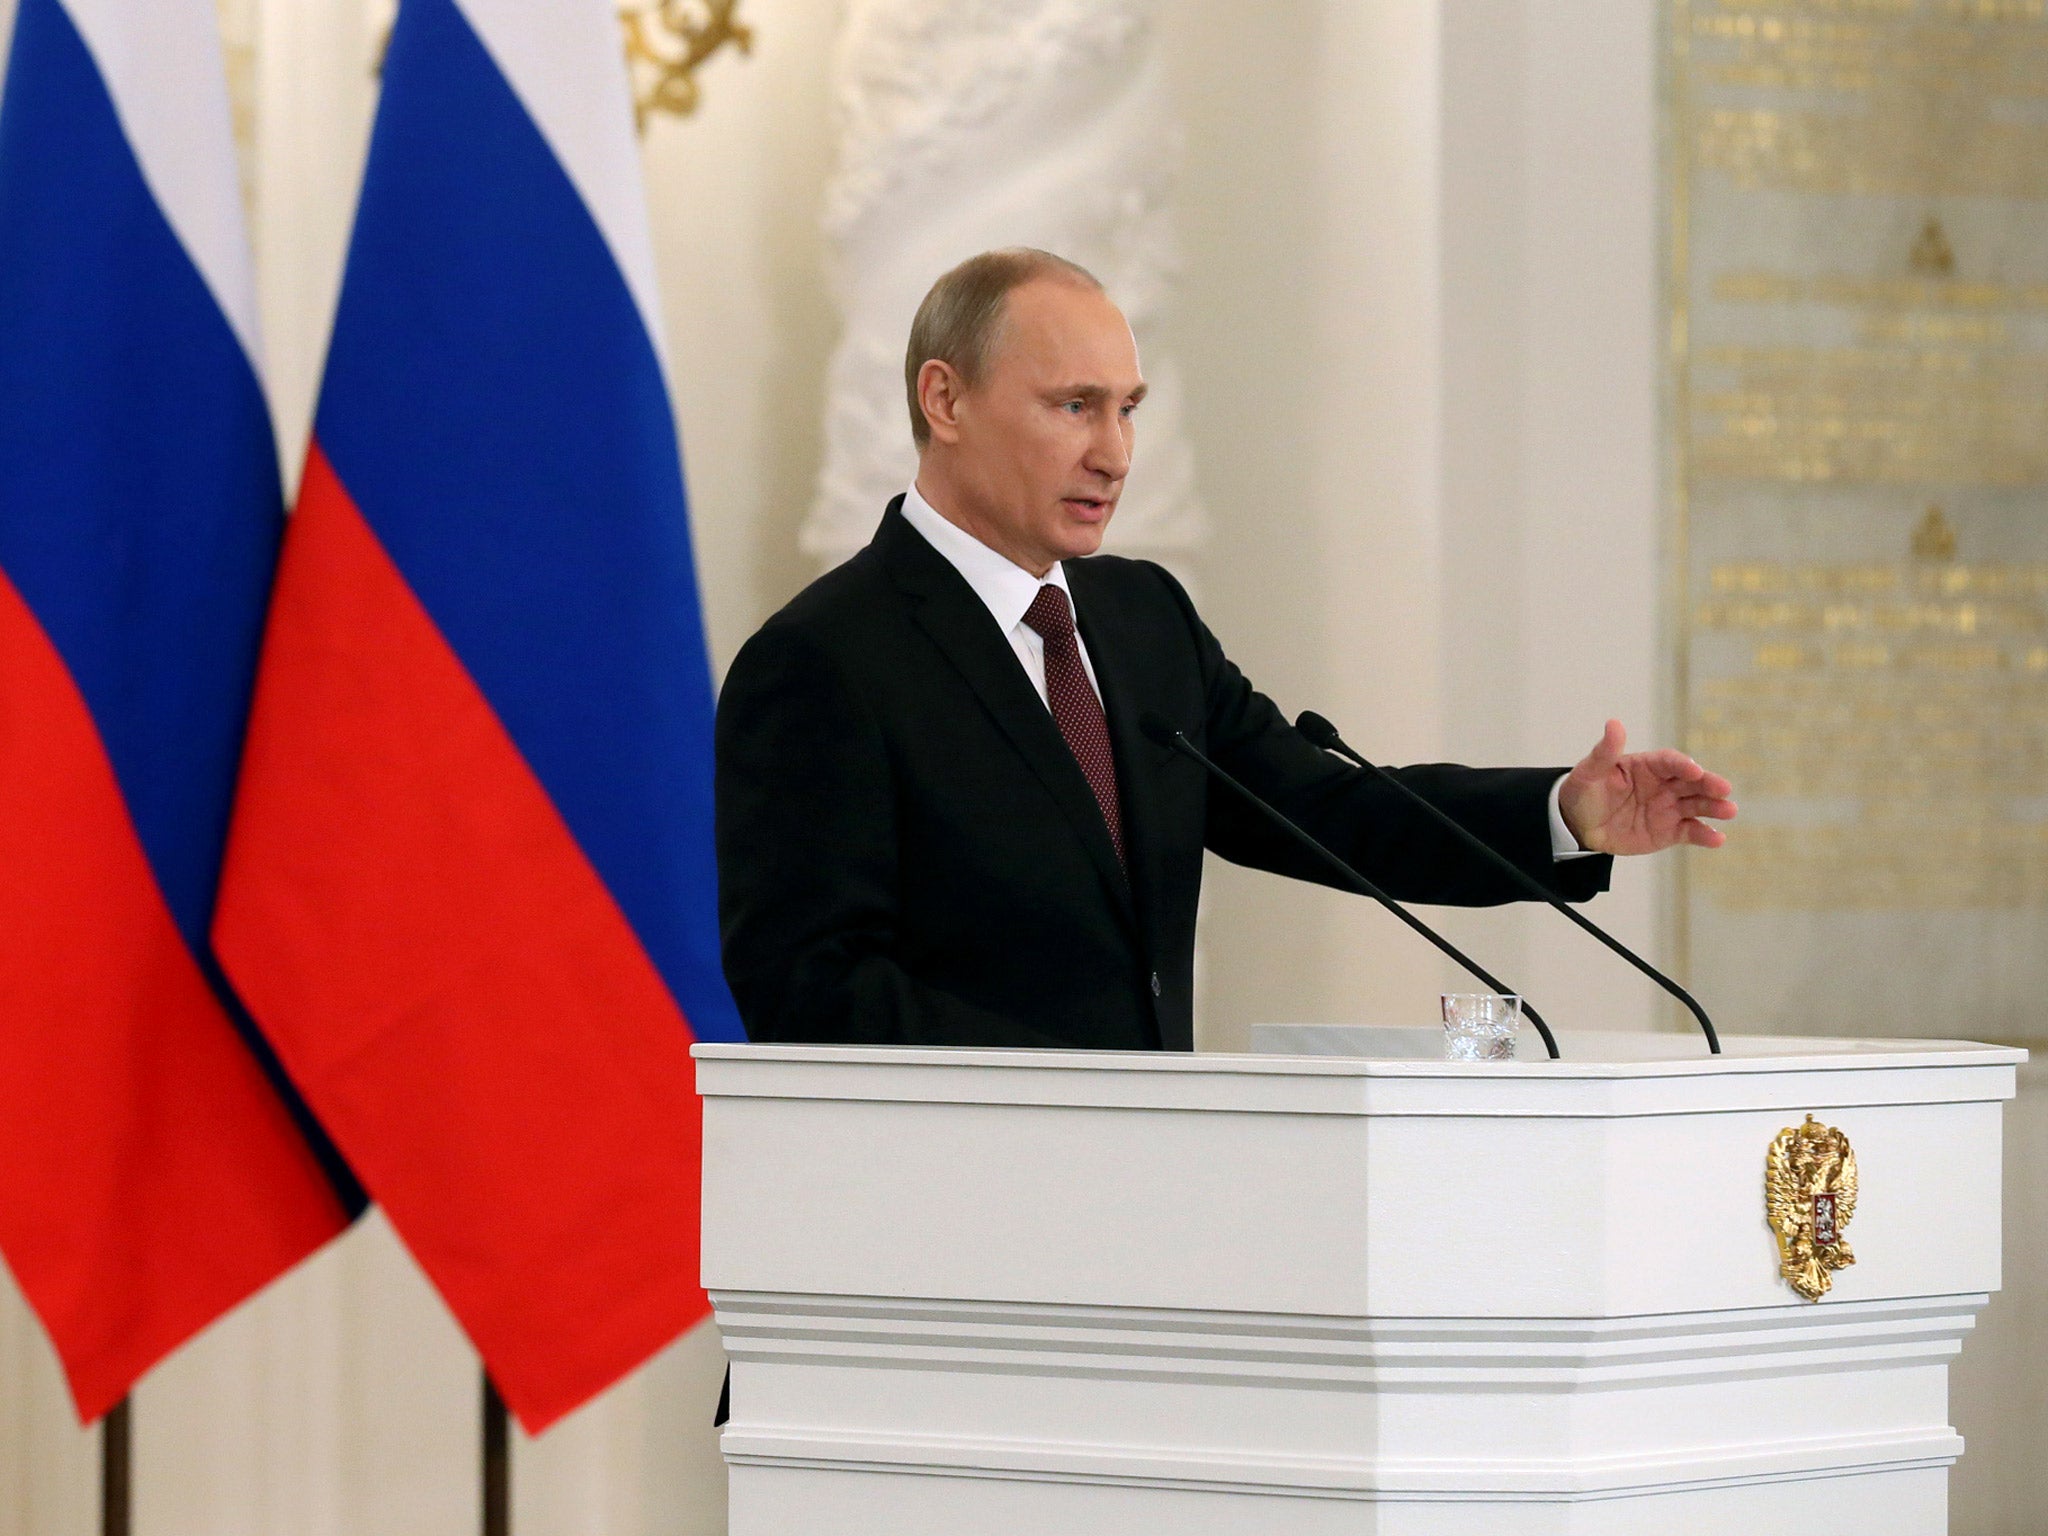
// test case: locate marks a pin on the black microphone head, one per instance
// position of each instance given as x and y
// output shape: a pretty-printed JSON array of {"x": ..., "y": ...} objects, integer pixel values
[
  {"x": 1159, "y": 728},
  {"x": 1317, "y": 729}
]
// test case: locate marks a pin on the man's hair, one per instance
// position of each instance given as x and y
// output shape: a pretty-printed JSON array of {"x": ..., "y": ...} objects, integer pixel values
[{"x": 958, "y": 320}]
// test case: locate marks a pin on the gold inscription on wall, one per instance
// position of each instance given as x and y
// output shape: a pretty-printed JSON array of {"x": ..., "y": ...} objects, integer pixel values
[
  {"x": 1858, "y": 198},
  {"x": 1903, "y": 708}
]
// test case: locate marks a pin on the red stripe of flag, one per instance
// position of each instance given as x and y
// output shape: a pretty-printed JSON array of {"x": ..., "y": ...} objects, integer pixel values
[
  {"x": 152, "y": 1177},
  {"x": 451, "y": 985}
]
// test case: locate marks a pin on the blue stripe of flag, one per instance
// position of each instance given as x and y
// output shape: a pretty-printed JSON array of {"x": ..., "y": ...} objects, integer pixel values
[
  {"x": 139, "y": 502},
  {"x": 140, "y": 511},
  {"x": 537, "y": 508}
]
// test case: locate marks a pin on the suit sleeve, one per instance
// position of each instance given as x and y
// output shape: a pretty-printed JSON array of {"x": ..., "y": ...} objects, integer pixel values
[
  {"x": 1390, "y": 841},
  {"x": 807, "y": 851}
]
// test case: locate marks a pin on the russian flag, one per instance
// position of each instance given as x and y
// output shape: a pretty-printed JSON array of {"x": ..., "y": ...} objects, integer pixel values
[
  {"x": 153, "y": 1170},
  {"x": 470, "y": 887}
]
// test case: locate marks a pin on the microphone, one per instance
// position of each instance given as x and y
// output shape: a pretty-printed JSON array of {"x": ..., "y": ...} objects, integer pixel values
[
  {"x": 1323, "y": 734},
  {"x": 1160, "y": 730}
]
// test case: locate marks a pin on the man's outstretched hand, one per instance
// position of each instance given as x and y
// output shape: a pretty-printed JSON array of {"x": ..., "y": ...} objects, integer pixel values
[{"x": 1618, "y": 801}]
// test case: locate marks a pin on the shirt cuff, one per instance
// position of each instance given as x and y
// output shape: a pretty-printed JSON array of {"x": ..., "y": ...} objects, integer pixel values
[{"x": 1562, "y": 844}]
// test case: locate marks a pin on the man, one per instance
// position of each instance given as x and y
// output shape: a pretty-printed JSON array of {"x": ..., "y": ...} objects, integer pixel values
[{"x": 939, "y": 822}]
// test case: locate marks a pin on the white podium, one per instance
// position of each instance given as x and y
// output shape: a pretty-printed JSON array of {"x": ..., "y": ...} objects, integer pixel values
[{"x": 974, "y": 1292}]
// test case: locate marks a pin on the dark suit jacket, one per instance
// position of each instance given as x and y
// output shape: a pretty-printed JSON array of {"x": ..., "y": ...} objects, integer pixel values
[{"x": 909, "y": 854}]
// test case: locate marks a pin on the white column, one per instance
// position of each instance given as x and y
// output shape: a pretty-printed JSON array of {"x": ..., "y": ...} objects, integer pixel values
[
  {"x": 965, "y": 128},
  {"x": 343, "y": 1400},
  {"x": 1374, "y": 470},
  {"x": 1471, "y": 462},
  {"x": 642, "y": 1460},
  {"x": 1552, "y": 586},
  {"x": 1594, "y": 583},
  {"x": 316, "y": 90}
]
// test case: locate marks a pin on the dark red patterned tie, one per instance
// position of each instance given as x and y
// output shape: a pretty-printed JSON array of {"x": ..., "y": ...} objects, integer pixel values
[{"x": 1075, "y": 708}]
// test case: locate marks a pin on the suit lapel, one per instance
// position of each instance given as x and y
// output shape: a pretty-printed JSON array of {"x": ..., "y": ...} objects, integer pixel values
[{"x": 958, "y": 623}]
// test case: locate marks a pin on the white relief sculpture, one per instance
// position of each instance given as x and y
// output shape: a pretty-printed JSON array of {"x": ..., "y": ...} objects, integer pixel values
[{"x": 965, "y": 125}]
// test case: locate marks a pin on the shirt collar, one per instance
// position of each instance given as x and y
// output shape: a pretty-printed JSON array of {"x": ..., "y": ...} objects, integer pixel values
[{"x": 1005, "y": 588}]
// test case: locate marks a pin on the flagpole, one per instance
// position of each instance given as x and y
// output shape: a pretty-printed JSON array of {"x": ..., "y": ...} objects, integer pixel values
[
  {"x": 497, "y": 1464},
  {"x": 116, "y": 1467}
]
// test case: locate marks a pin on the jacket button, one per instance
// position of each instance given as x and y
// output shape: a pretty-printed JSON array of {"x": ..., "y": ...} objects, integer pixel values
[{"x": 1155, "y": 983}]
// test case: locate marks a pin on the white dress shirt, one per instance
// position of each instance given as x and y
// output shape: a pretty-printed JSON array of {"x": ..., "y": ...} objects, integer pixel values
[{"x": 1006, "y": 589}]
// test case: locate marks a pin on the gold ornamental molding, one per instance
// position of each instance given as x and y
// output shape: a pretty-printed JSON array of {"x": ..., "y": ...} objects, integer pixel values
[
  {"x": 1809, "y": 1198},
  {"x": 666, "y": 41}
]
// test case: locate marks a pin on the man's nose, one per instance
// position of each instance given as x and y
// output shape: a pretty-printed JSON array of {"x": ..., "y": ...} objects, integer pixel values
[{"x": 1109, "y": 452}]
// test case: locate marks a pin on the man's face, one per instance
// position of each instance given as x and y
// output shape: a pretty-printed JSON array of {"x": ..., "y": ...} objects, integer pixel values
[{"x": 1041, "y": 444}]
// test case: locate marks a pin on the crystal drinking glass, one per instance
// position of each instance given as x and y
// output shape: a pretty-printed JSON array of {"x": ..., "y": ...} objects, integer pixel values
[{"x": 1480, "y": 1026}]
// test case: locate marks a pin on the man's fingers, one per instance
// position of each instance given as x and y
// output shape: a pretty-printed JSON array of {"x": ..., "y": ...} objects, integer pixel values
[
  {"x": 1670, "y": 763},
  {"x": 1674, "y": 767},
  {"x": 1700, "y": 835},
  {"x": 1707, "y": 805}
]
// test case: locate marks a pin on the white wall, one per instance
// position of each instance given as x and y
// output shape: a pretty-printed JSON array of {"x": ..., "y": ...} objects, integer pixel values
[
  {"x": 49, "y": 1468},
  {"x": 735, "y": 192},
  {"x": 1313, "y": 366}
]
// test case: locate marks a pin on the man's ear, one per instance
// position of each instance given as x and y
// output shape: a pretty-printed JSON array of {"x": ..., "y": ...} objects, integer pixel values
[{"x": 939, "y": 392}]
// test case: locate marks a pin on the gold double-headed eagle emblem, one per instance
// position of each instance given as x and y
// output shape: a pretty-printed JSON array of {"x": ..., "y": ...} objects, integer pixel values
[{"x": 1809, "y": 1196}]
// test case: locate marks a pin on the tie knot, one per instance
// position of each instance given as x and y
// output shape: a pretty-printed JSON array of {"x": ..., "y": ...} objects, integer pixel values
[{"x": 1050, "y": 615}]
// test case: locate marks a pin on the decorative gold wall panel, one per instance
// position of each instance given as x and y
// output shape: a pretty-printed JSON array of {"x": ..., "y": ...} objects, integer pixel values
[{"x": 1857, "y": 424}]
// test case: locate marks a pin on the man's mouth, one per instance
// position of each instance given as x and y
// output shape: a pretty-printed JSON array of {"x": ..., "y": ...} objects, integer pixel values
[{"x": 1089, "y": 509}]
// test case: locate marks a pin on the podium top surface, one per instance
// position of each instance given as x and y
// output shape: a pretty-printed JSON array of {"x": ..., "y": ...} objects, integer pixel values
[{"x": 1601, "y": 1073}]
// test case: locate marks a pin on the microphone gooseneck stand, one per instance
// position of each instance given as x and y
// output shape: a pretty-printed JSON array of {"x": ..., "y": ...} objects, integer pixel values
[
  {"x": 1323, "y": 734},
  {"x": 1167, "y": 735}
]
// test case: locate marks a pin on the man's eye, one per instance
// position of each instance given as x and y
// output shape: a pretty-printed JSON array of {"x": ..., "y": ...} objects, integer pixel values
[{"x": 1072, "y": 407}]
